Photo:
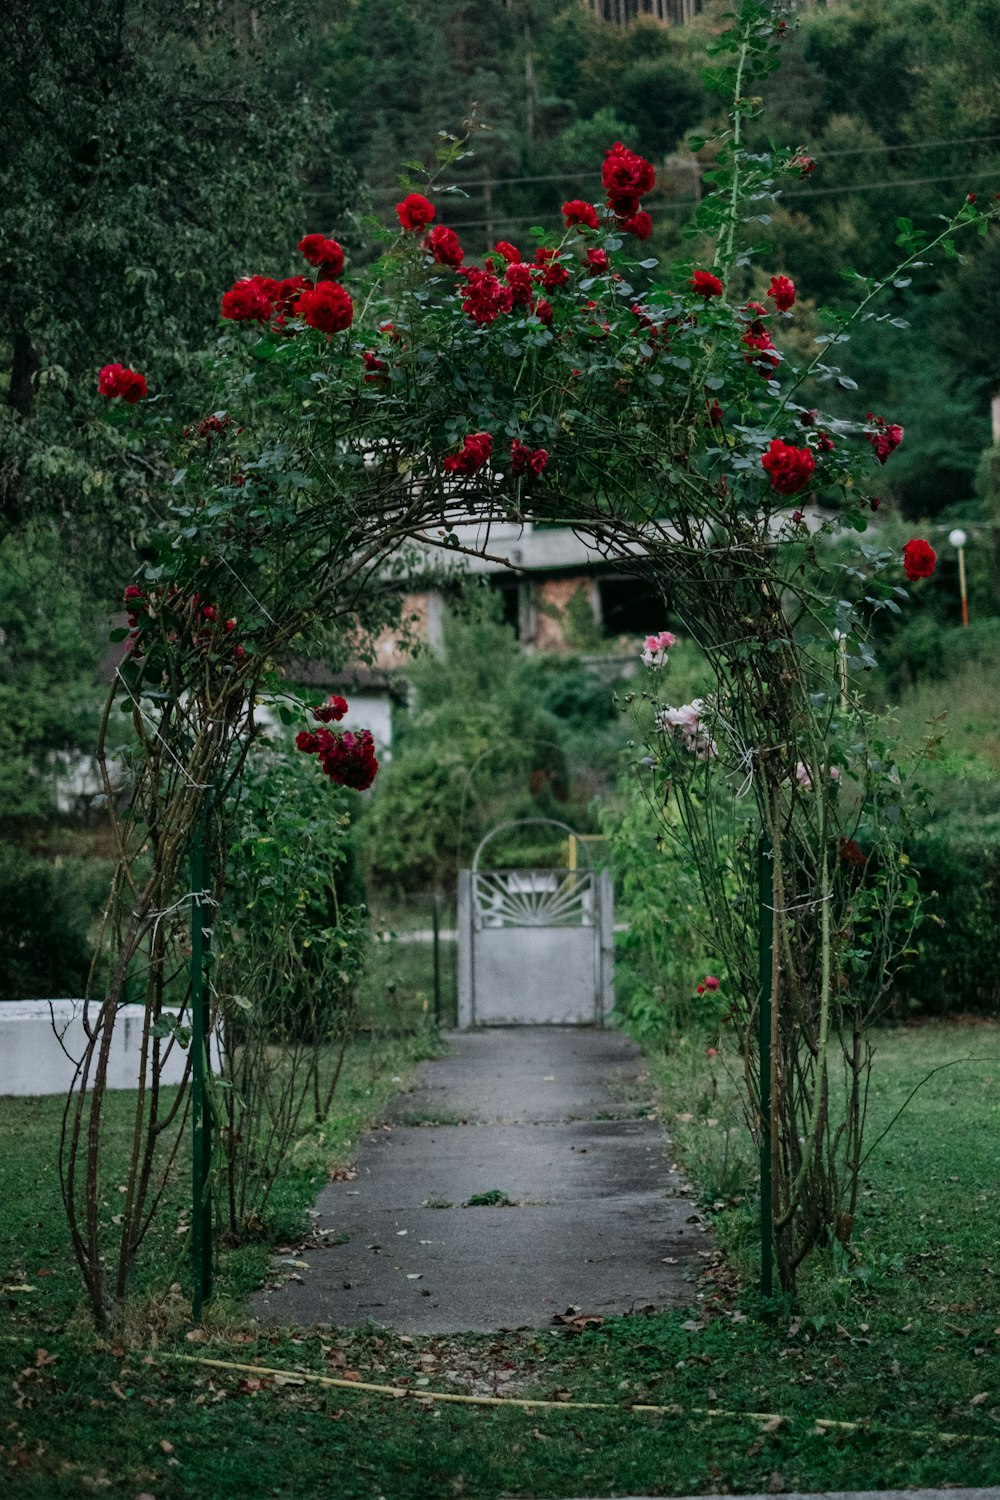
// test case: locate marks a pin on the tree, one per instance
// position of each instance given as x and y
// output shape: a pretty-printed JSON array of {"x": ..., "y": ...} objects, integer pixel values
[{"x": 145, "y": 152}]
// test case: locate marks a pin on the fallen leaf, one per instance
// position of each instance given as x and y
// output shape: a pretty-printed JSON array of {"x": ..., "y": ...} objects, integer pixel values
[
  {"x": 166, "y": 1446},
  {"x": 981, "y": 1399}
]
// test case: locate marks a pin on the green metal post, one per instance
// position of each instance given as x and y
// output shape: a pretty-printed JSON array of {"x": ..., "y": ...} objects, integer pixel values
[
  {"x": 765, "y": 897},
  {"x": 437, "y": 958},
  {"x": 201, "y": 1121}
]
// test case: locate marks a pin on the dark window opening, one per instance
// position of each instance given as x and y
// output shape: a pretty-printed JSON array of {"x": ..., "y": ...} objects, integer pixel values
[
  {"x": 509, "y": 590},
  {"x": 631, "y": 606}
]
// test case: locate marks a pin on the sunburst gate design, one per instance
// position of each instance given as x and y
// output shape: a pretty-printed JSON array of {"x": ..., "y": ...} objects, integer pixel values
[{"x": 534, "y": 898}]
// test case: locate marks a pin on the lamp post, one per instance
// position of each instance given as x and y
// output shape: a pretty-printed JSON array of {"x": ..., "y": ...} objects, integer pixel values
[
  {"x": 958, "y": 539},
  {"x": 840, "y": 636}
]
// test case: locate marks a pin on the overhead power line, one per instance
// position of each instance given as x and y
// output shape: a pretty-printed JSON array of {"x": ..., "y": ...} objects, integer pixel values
[
  {"x": 581, "y": 173},
  {"x": 676, "y": 204}
]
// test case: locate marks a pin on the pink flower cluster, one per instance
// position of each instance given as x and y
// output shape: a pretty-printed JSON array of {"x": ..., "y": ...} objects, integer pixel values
[
  {"x": 655, "y": 648},
  {"x": 348, "y": 759},
  {"x": 708, "y": 983},
  {"x": 688, "y": 721}
]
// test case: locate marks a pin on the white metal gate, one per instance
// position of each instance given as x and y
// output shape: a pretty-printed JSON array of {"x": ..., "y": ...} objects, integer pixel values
[{"x": 535, "y": 947}]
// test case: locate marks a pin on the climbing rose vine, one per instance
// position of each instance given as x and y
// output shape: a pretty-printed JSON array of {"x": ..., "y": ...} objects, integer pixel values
[{"x": 566, "y": 379}]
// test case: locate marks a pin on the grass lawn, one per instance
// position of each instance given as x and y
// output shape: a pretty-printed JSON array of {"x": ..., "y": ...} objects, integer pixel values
[{"x": 901, "y": 1344}]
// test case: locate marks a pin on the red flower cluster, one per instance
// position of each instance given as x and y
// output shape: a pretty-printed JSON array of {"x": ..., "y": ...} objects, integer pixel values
[
  {"x": 485, "y": 297},
  {"x": 919, "y": 559},
  {"x": 118, "y": 381},
  {"x": 576, "y": 211},
  {"x": 803, "y": 164},
  {"x": 708, "y": 983},
  {"x": 188, "y": 621},
  {"x": 415, "y": 213},
  {"x": 597, "y": 260},
  {"x": 782, "y": 290},
  {"x": 376, "y": 369},
  {"x": 136, "y": 603},
  {"x": 627, "y": 178},
  {"x": 525, "y": 460},
  {"x": 326, "y": 307},
  {"x": 789, "y": 468},
  {"x": 348, "y": 759},
  {"x": 324, "y": 253},
  {"x": 475, "y": 454},
  {"x": 886, "y": 438},
  {"x": 442, "y": 243},
  {"x": 706, "y": 285},
  {"x": 508, "y": 252}
]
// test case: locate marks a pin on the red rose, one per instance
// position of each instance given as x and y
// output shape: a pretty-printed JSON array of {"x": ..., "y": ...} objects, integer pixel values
[
  {"x": 475, "y": 453},
  {"x": 306, "y": 742},
  {"x": 576, "y": 211},
  {"x": 886, "y": 438},
  {"x": 543, "y": 312},
  {"x": 850, "y": 852},
  {"x": 121, "y": 382},
  {"x": 597, "y": 260},
  {"x": 706, "y": 285},
  {"x": 288, "y": 292},
  {"x": 789, "y": 468},
  {"x": 415, "y": 212},
  {"x": 319, "y": 251},
  {"x": 518, "y": 278},
  {"x": 782, "y": 289},
  {"x": 443, "y": 244},
  {"x": 326, "y": 307},
  {"x": 332, "y": 711},
  {"x": 623, "y": 205},
  {"x": 919, "y": 559},
  {"x": 764, "y": 356},
  {"x": 375, "y": 369},
  {"x": 625, "y": 172},
  {"x": 510, "y": 253},
  {"x": 246, "y": 303},
  {"x": 525, "y": 460},
  {"x": 639, "y": 224},
  {"x": 825, "y": 443},
  {"x": 554, "y": 275},
  {"x": 804, "y": 165},
  {"x": 107, "y": 381}
]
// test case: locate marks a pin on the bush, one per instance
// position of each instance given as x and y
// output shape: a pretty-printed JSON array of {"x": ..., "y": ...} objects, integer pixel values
[
  {"x": 663, "y": 954},
  {"x": 955, "y": 964},
  {"x": 46, "y": 911}
]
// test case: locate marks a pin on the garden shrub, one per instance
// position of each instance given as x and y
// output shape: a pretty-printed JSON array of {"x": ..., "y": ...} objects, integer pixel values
[
  {"x": 954, "y": 965},
  {"x": 46, "y": 912}
]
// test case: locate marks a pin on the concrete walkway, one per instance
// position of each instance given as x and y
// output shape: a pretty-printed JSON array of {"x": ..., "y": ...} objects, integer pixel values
[{"x": 552, "y": 1121}]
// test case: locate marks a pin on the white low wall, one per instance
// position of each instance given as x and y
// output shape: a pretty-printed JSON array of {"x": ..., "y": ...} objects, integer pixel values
[{"x": 37, "y": 1035}]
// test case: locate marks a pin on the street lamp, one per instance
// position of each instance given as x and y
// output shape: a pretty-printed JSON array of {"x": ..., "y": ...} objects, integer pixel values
[{"x": 958, "y": 539}]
